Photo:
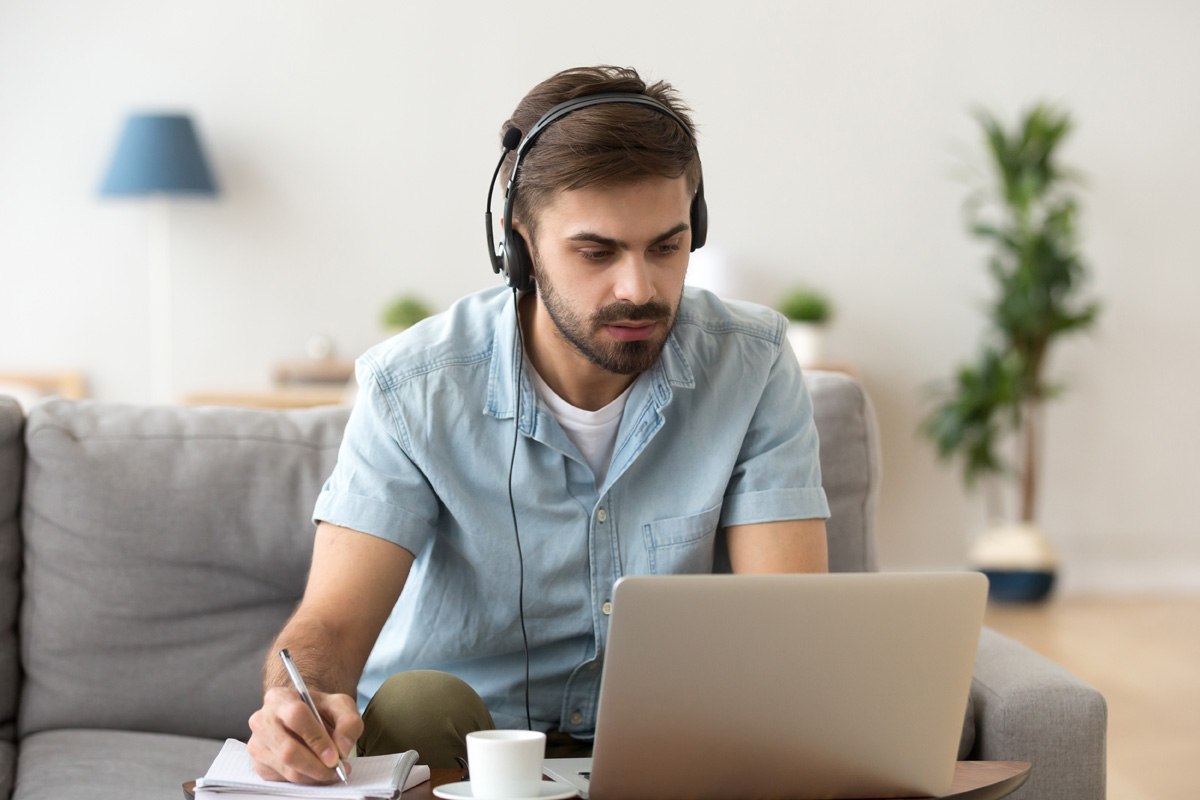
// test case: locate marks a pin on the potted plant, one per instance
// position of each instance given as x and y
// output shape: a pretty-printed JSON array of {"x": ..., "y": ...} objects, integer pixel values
[
  {"x": 404, "y": 312},
  {"x": 990, "y": 415},
  {"x": 808, "y": 312}
]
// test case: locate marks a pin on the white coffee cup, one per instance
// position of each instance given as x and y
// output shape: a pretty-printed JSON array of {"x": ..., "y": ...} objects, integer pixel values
[{"x": 505, "y": 765}]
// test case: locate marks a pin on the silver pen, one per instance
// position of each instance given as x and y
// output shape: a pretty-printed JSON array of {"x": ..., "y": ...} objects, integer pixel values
[{"x": 298, "y": 682}]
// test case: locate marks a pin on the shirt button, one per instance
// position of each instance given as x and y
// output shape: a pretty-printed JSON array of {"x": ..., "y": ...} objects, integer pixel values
[
  {"x": 576, "y": 718},
  {"x": 606, "y": 609},
  {"x": 601, "y": 515}
]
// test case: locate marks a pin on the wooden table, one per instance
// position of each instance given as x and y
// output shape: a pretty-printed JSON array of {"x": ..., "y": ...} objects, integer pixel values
[{"x": 973, "y": 780}]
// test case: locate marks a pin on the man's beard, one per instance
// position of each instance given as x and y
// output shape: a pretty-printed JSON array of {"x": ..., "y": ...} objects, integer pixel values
[{"x": 623, "y": 358}]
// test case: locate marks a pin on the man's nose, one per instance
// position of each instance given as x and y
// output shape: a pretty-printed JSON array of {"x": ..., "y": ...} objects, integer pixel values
[{"x": 633, "y": 280}]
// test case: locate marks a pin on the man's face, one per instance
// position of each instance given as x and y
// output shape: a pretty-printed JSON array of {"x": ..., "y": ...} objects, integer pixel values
[{"x": 609, "y": 264}]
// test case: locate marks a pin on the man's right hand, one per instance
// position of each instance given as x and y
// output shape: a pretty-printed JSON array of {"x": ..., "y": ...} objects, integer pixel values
[
  {"x": 353, "y": 584},
  {"x": 288, "y": 744}
]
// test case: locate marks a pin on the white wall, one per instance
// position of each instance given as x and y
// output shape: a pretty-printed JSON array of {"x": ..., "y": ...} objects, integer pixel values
[{"x": 353, "y": 141}]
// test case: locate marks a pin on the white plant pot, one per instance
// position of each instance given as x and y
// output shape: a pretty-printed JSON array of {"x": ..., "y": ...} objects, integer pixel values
[
  {"x": 1018, "y": 560},
  {"x": 808, "y": 342}
]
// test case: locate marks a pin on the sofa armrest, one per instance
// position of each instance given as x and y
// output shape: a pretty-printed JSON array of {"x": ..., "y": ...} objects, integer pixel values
[
  {"x": 1027, "y": 708},
  {"x": 12, "y": 468}
]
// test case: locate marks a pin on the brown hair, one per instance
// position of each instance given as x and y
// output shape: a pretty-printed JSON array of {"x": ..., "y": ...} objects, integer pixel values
[{"x": 603, "y": 144}]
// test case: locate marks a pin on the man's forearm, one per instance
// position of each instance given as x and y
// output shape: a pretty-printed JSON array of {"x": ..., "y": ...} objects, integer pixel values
[
  {"x": 798, "y": 545},
  {"x": 353, "y": 585},
  {"x": 320, "y": 654}
]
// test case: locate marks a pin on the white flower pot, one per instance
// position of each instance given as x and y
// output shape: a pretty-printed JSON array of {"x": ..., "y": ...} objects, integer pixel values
[{"x": 808, "y": 342}]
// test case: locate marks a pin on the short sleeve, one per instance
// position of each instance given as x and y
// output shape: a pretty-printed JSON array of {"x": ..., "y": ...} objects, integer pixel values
[
  {"x": 778, "y": 473},
  {"x": 375, "y": 487}
]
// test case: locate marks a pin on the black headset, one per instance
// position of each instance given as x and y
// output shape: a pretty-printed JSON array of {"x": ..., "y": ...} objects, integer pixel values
[{"x": 513, "y": 259}]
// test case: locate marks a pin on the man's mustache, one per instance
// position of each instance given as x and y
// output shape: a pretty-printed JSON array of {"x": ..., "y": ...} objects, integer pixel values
[{"x": 628, "y": 312}]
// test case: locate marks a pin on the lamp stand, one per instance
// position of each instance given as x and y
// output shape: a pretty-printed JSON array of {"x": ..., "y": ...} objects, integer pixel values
[{"x": 162, "y": 377}]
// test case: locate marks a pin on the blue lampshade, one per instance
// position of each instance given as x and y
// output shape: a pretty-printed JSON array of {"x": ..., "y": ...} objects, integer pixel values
[{"x": 158, "y": 153}]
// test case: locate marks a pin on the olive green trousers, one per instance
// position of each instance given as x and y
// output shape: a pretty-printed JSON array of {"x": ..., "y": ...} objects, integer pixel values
[{"x": 432, "y": 712}]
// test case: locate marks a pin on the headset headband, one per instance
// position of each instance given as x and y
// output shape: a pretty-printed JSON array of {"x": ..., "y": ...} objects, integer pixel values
[
  {"x": 512, "y": 260},
  {"x": 571, "y": 106}
]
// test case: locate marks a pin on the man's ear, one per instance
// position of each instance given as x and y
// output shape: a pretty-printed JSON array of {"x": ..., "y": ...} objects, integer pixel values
[
  {"x": 527, "y": 238},
  {"x": 518, "y": 227}
]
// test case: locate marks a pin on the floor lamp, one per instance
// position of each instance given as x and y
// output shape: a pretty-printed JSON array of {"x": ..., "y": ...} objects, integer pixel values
[{"x": 159, "y": 156}]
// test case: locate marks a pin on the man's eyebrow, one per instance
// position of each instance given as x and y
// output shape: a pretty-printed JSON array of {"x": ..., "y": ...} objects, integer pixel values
[{"x": 608, "y": 241}]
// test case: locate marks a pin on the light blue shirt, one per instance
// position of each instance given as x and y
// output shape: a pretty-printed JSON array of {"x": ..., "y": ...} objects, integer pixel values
[{"x": 718, "y": 432}]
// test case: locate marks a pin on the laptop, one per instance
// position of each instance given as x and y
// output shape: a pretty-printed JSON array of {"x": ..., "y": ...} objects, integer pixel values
[{"x": 782, "y": 686}]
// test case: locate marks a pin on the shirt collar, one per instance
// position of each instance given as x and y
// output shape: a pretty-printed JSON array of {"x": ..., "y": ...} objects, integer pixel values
[{"x": 506, "y": 349}]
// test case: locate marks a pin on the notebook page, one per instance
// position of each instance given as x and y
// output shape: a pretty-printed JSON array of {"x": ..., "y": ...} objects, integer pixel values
[{"x": 371, "y": 776}]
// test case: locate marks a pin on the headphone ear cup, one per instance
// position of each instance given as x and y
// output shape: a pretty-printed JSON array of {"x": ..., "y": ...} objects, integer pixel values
[
  {"x": 518, "y": 266},
  {"x": 699, "y": 219}
]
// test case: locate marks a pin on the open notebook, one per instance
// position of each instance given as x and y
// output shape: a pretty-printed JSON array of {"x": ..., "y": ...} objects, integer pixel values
[{"x": 232, "y": 776}]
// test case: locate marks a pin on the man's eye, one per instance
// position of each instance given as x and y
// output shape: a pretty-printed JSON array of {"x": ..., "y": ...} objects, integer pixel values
[
  {"x": 595, "y": 255},
  {"x": 667, "y": 248}
]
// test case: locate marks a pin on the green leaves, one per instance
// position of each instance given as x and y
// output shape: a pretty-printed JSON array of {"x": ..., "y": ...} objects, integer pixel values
[
  {"x": 1024, "y": 160},
  {"x": 405, "y": 311},
  {"x": 971, "y": 417},
  {"x": 806, "y": 305},
  {"x": 1028, "y": 215}
]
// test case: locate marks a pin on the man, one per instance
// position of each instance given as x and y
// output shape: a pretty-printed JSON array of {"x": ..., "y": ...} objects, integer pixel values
[{"x": 511, "y": 458}]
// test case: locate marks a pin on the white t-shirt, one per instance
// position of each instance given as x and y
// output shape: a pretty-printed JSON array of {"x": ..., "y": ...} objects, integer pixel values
[{"x": 593, "y": 432}]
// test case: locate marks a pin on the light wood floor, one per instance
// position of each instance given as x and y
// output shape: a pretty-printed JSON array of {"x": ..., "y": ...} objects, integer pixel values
[{"x": 1143, "y": 654}]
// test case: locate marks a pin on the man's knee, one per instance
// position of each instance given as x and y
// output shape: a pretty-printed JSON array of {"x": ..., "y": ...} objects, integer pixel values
[{"x": 424, "y": 710}]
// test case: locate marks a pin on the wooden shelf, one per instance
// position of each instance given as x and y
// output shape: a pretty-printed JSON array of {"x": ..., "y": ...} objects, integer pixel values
[
  {"x": 70, "y": 385},
  {"x": 283, "y": 397}
]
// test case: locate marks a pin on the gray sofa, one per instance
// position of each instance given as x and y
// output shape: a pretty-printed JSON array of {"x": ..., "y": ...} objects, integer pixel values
[{"x": 148, "y": 555}]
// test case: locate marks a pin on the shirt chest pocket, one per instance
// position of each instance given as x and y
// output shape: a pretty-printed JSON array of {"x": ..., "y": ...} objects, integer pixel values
[{"x": 682, "y": 544}]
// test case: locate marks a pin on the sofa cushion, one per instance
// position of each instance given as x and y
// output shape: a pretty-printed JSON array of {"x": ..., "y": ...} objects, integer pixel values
[
  {"x": 164, "y": 547},
  {"x": 12, "y": 463},
  {"x": 110, "y": 765}
]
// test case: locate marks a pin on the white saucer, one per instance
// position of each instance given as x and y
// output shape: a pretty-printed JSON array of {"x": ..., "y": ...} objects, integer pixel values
[{"x": 549, "y": 790}]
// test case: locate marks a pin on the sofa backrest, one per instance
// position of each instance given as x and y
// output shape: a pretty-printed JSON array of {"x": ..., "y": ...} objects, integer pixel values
[{"x": 165, "y": 547}]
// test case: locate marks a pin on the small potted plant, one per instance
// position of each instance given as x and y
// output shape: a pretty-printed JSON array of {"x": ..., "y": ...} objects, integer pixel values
[
  {"x": 808, "y": 312},
  {"x": 990, "y": 415},
  {"x": 404, "y": 312}
]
